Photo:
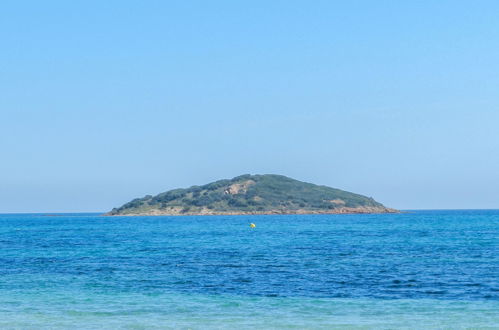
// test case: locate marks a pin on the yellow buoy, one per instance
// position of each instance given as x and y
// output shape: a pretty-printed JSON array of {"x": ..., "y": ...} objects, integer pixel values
[{"x": 252, "y": 225}]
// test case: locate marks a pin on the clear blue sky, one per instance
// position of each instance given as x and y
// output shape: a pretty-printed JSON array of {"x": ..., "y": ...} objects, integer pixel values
[{"x": 105, "y": 101}]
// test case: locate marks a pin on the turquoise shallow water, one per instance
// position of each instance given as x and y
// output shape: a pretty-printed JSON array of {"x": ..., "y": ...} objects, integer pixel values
[{"x": 424, "y": 269}]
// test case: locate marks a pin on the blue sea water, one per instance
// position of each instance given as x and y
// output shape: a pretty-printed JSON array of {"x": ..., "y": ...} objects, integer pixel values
[{"x": 420, "y": 269}]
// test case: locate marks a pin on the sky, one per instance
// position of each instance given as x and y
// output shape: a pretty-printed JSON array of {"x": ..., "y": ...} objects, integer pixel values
[{"x": 105, "y": 101}]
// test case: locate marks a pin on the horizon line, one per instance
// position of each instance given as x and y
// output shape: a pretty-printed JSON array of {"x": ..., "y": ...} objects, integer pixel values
[{"x": 102, "y": 212}]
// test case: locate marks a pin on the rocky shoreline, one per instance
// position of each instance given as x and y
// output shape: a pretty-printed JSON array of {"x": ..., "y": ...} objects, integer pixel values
[{"x": 343, "y": 210}]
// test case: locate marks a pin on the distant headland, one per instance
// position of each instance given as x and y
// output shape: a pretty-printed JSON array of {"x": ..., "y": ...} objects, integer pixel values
[{"x": 253, "y": 194}]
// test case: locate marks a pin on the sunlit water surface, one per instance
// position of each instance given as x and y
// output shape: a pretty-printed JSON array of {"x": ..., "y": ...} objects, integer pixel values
[{"x": 424, "y": 269}]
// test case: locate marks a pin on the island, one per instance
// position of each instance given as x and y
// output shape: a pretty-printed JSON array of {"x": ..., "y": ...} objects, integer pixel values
[{"x": 253, "y": 194}]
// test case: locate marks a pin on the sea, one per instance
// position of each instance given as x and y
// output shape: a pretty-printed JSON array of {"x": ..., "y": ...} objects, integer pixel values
[{"x": 413, "y": 270}]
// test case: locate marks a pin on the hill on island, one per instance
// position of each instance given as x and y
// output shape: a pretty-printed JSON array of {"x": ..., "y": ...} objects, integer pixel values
[{"x": 252, "y": 194}]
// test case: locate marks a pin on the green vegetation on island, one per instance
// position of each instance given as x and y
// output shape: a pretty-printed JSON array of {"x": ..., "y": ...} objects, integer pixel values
[{"x": 252, "y": 194}]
